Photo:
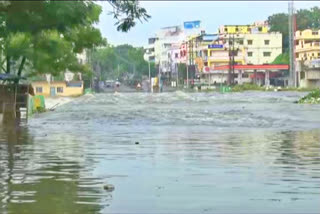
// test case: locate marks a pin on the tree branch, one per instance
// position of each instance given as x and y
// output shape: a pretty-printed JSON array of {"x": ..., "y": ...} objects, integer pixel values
[
  {"x": 21, "y": 65},
  {"x": 8, "y": 65}
]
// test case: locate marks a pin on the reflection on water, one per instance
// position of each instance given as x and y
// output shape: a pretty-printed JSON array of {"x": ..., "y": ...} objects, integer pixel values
[{"x": 247, "y": 152}]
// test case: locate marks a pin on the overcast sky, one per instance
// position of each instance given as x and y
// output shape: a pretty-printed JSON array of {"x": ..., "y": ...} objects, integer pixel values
[{"x": 211, "y": 13}]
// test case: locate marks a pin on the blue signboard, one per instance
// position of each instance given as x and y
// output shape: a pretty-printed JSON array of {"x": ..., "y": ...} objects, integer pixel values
[
  {"x": 214, "y": 46},
  {"x": 191, "y": 25}
]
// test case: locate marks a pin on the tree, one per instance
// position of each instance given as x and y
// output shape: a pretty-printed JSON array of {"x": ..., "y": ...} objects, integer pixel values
[
  {"x": 123, "y": 60},
  {"x": 279, "y": 23},
  {"x": 45, "y": 36},
  {"x": 306, "y": 19},
  {"x": 126, "y": 12},
  {"x": 282, "y": 59}
]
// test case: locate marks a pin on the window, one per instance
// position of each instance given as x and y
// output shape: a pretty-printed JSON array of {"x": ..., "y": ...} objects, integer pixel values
[
  {"x": 38, "y": 89},
  {"x": 302, "y": 75},
  {"x": 176, "y": 55},
  {"x": 245, "y": 75},
  {"x": 315, "y": 33},
  {"x": 266, "y": 53},
  {"x": 240, "y": 42},
  {"x": 59, "y": 89},
  {"x": 226, "y": 29},
  {"x": 250, "y": 42},
  {"x": 266, "y": 42},
  {"x": 235, "y": 53},
  {"x": 259, "y": 29},
  {"x": 250, "y": 54}
]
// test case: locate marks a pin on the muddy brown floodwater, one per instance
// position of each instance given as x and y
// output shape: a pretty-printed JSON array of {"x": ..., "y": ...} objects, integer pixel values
[{"x": 252, "y": 152}]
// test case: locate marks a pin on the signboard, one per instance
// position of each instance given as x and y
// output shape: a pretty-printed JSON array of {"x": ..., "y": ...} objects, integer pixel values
[
  {"x": 191, "y": 25},
  {"x": 209, "y": 37},
  {"x": 315, "y": 62},
  {"x": 213, "y": 46},
  {"x": 206, "y": 69}
]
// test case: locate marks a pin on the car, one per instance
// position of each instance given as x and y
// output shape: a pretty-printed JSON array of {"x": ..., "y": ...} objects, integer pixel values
[{"x": 109, "y": 84}]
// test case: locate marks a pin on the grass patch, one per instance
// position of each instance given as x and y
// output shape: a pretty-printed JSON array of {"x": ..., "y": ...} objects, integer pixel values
[
  {"x": 247, "y": 87},
  {"x": 311, "y": 98}
]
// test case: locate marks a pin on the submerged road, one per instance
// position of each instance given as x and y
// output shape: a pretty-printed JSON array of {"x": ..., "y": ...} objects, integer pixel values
[{"x": 251, "y": 152}]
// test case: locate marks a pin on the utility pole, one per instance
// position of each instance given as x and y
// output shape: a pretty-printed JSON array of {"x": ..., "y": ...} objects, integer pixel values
[
  {"x": 230, "y": 59},
  {"x": 149, "y": 71},
  {"x": 233, "y": 53},
  {"x": 291, "y": 22},
  {"x": 159, "y": 78},
  {"x": 188, "y": 64}
]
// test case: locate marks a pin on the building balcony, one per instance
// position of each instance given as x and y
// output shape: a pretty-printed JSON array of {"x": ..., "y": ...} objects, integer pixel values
[{"x": 315, "y": 46}]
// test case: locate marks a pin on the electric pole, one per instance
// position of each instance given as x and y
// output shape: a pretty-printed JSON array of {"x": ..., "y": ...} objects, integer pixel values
[{"x": 291, "y": 22}]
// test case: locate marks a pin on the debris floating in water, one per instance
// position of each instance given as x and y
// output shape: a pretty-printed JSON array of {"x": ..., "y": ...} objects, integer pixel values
[
  {"x": 137, "y": 143},
  {"x": 108, "y": 187}
]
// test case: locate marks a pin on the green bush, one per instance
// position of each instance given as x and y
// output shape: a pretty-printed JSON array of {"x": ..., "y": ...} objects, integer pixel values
[
  {"x": 247, "y": 87},
  {"x": 40, "y": 110},
  {"x": 311, "y": 98}
]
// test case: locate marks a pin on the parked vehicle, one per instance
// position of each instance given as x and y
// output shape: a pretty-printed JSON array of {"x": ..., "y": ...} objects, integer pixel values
[{"x": 109, "y": 84}]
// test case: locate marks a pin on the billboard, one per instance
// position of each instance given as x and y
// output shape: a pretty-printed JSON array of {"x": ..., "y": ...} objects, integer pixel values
[{"x": 191, "y": 25}]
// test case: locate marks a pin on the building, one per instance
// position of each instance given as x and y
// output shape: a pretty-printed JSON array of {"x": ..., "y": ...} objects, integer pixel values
[
  {"x": 242, "y": 46},
  {"x": 150, "y": 50},
  {"x": 165, "y": 47},
  {"x": 58, "y": 88},
  {"x": 307, "y": 54},
  {"x": 257, "y": 27}
]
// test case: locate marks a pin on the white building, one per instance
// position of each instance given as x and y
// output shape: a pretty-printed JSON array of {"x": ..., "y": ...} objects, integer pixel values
[{"x": 165, "y": 47}]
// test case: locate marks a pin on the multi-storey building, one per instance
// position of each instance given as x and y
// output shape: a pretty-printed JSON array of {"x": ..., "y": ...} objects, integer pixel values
[
  {"x": 254, "y": 47},
  {"x": 307, "y": 50},
  {"x": 257, "y": 27},
  {"x": 165, "y": 48},
  {"x": 150, "y": 50},
  {"x": 307, "y": 45}
]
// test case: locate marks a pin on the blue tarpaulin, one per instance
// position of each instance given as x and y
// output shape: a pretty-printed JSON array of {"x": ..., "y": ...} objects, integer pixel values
[{"x": 9, "y": 77}]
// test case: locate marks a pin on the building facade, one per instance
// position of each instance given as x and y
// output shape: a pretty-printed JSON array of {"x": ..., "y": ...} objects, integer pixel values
[
  {"x": 307, "y": 54},
  {"x": 58, "y": 88}
]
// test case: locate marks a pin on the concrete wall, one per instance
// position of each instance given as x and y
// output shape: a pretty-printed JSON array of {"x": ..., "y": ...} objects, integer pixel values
[
  {"x": 67, "y": 91},
  {"x": 258, "y": 47}
]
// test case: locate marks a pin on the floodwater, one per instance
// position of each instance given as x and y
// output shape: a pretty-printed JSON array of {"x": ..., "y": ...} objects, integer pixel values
[{"x": 252, "y": 152}]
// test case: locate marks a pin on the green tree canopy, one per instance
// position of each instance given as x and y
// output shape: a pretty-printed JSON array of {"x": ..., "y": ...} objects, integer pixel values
[
  {"x": 45, "y": 36},
  {"x": 305, "y": 19},
  {"x": 112, "y": 62}
]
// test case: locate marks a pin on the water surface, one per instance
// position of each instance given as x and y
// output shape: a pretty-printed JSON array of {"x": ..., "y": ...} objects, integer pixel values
[{"x": 252, "y": 152}]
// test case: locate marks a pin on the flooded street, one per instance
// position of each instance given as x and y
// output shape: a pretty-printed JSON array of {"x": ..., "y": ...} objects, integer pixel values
[{"x": 196, "y": 153}]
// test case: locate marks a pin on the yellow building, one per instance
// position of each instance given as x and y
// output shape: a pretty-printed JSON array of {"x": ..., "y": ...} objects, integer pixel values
[
  {"x": 307, "y": 50},
  {"x": 307, "y": 45},
  {"x": 244, "y": 29},
  {"x": 58, "y": 88},
  {"x": 253, "y": 48}
]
